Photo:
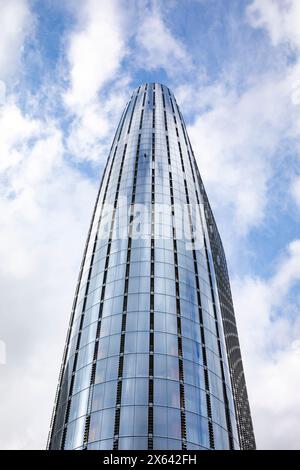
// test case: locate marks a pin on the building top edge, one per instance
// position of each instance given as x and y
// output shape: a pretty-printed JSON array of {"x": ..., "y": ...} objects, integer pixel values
[{"x": 143, "y": 84}]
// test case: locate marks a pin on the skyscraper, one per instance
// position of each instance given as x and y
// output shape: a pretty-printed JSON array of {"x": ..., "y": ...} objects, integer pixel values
[{"x": 152, "y": 357}]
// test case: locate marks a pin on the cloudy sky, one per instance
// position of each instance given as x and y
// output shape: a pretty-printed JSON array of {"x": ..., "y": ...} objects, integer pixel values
[{"x": 67, "y": 68}]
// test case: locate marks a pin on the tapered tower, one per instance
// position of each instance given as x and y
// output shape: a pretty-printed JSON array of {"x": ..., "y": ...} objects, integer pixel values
[{"x": 152, "y": 358}]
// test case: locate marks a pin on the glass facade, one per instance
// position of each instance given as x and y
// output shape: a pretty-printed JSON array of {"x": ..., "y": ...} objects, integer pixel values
[{"x": 149, "y": 361}]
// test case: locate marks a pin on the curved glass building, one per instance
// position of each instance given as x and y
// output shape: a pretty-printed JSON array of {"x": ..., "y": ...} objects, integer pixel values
[{"x": 152, "y": 358}]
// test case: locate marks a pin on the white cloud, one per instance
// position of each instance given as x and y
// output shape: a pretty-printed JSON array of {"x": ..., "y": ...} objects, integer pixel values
[
  {"x": 45, "y": 204},
  {"x": 280, "y": 18},
  {"x": 98, "y": 89},
  {"x": 45, "y": 208},
  {"x": 16, "y": 22},
  {"x": 238, "y": 136},
  {"x": 96, "y": 49},
  {"x": 159, "y": 47},
  {"x": 269, "y": 328},
  {"x": 235, "y": 137},
  {"x": 15, "y": 132},
  {"x": 89, "y": 131}
]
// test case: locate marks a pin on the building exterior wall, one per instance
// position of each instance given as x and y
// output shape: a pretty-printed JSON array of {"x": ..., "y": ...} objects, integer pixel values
[{"x": 148, "y": 362}]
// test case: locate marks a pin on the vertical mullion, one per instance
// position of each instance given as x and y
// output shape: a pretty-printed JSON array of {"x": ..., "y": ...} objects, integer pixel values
[
  {"x": 152, "y": 267},
  {"x": 132, "y": 112}
]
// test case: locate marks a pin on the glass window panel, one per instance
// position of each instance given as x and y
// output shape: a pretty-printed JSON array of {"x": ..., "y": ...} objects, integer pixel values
[
  {"x": 129, "y": 365},
  {"x": 110, "y": 394},
  {"x": 174, "y": 444},
  {"x": 126, "y": 420},
  {"x": 108, "y": 421},
  {"x": 141, "y": 391},
  {"x": 79, "y": 432},
  {"x": 133, "y": 285},
  {"x": 116, "y": 324},
  {"x": 170, "y": 271},
  {"x": 82, "y": 378},
  {"x": 160, "y": 343},
  {"x": 105, "y": 327},
  {"x": 130, "y": 342},
  {"x": 144, "y": 302},
  {"x": 132, "y": 321},
  {"x": 132, "y": 302},
  {"x": 112, "y": 368},
  {"x": 143, "y": 321},
  {"x": 98, "y": 396},
  {"x": 160, "y": 392},
  {"x": 103, "y": 347},
  {"x": 85, "y": 355},
  {"x": 160, "y": 365},
  {"x": 159, "y": 302},
  {"x": 100, "y": 371},
  {"x": 174, "y": 423},
  {"x": 218, "y": 412},
  {"x": 93, "y": 446},
  {"x": 144, "y": 285},
  {"x": 126, "y": 443},
  {"x": 160, "y": 321},
  {"x": 114, "y": 345},
  {"x": 142, "y": 365},
  {"x": 160, "y": 443},
  {"x": 170, "y": 304},
  {"x": 141, "y": 421},
  {"x": 140, "y": 443},
  {"x": 172, "y": 368},
  {"x": 95, "y": 426},
  {"x": 192, "y": 428},
  {"x": 171, "y": 324},
  {"x": 70, "y": 435},
  {"x": 106, "y": 445},
  {"x": 142, "y": 342},
  {"x": 195, "y": 400},
  {"x": 128, "y": 392},
  {"x": 173, "y": 394},
  {"x": 117, "y": 304},
  {"x": 107, "y": 307},
  {"x": 172, "y": 345},
  {"x": 160, "y": 421}
]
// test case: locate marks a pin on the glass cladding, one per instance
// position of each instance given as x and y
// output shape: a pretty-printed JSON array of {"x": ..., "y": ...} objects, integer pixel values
[{"x": 146, "y": 359}]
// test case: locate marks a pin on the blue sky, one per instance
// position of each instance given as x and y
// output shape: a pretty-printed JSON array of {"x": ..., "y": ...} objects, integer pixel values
[{"x": 67, "y": 68}]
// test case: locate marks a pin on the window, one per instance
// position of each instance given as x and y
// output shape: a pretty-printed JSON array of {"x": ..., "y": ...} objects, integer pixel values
[
  {"x": 108, "y": 421},
  {"x": 95, "y": 426},
  {"x": 141, "y": 421},
  {"x": 110, "y": 394},
  {"x": 135, "y": 391},
  {"x": 160, "y": 420},
  {"x": 98, "y": 396},
  {"x": 174, "y": 423},
  {"x": 126, "y": 421}
]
